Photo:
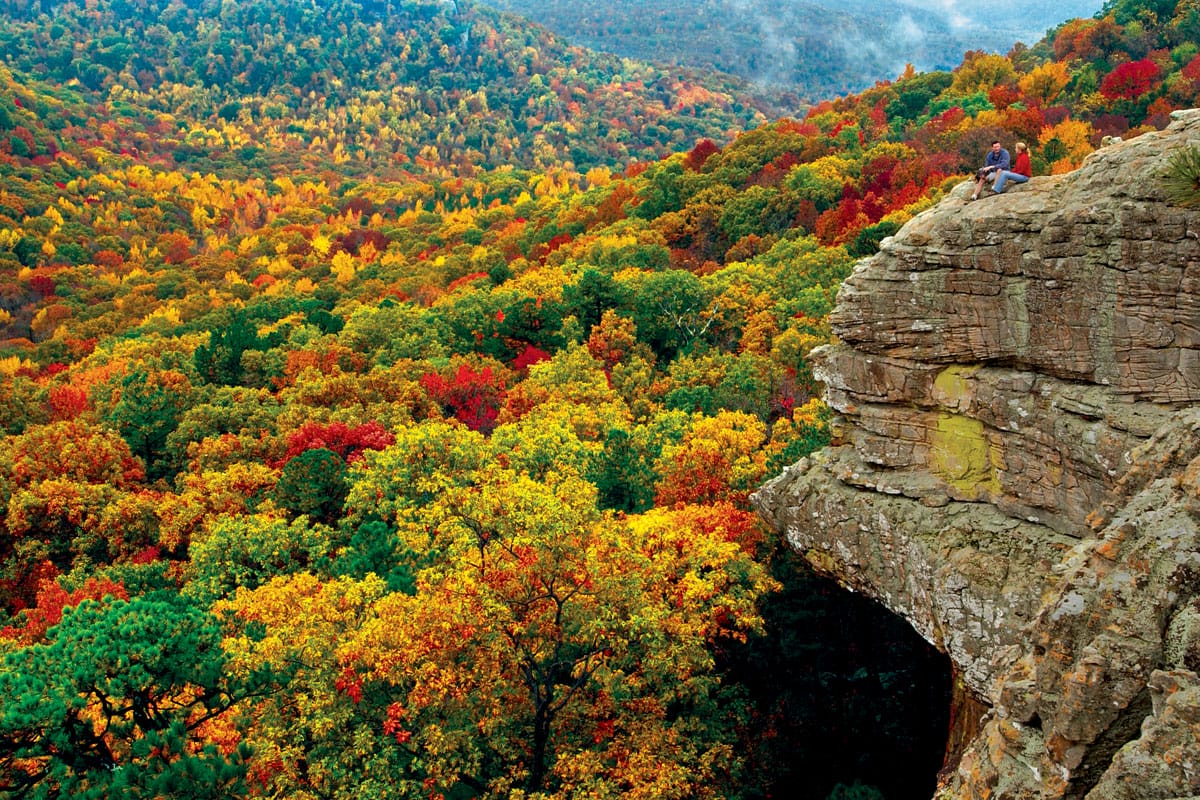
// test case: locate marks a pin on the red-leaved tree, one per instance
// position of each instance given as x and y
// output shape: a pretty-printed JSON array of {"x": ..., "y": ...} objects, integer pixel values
[
  {"x": 1130, "y": 80},
  {"x": 52, "y": 600},
  {"x": 470, "y": 396},
  {"x": 348, "y": 442}
]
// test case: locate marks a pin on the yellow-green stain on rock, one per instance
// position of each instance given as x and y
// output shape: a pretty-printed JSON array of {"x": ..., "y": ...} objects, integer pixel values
[
  {"x": 951, "y": 387},
  {"x": 960, "y": 454},
  {"x": 821, "y": 561}
]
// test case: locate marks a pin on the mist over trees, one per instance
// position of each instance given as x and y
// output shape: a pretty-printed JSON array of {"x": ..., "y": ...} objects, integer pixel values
[{"x": 805, "y": 50}]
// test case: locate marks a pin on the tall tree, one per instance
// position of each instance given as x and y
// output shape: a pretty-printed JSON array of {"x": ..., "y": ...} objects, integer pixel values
[
  {"x": 220, "y": 361},
  {"x": 549, "y": 649},
  {"x": 149, "y": 408}
]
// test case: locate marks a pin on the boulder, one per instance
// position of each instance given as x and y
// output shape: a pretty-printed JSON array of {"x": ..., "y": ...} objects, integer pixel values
[{"x": 1016, "y": 468}]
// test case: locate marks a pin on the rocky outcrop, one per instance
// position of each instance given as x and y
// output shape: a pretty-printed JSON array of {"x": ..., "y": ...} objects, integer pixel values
[{"x": 1016, "y": 469}]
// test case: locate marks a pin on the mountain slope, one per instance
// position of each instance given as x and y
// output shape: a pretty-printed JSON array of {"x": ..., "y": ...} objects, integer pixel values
[
  {"x": 260, "y": 372},
  {"x": 811, "y": 50},
  {"x": 448, "y": 83}
]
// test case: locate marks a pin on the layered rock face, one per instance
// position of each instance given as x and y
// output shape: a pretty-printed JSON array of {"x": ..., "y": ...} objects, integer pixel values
[{"x": 1016, "y": 469}]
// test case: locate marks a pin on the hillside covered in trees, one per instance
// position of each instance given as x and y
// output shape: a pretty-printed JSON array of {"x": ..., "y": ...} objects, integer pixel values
[
  {"x": 343, "y": 457},
  {"x": 794, "y": 51},
  {"x": 344, "y": 85}
]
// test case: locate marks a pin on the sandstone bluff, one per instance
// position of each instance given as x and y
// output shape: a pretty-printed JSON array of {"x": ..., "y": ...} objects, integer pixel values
[{"x": 1016, "y": 471}]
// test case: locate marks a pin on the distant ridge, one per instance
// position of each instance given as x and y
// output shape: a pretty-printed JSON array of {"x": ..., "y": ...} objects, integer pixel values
[{"x": 809, "y": 50}]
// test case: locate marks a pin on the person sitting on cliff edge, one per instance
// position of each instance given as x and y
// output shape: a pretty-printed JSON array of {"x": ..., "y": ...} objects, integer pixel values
[
  {"x": 1020, "y": 172},
  {"x": 997, "y": 160}
]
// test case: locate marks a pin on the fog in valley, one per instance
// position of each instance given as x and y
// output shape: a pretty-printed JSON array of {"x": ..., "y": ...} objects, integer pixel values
[{"x": 814, "y": 48}]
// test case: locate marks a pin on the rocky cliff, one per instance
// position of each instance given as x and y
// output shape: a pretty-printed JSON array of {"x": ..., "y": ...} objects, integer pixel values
[{"x": 1016, "y": 470}]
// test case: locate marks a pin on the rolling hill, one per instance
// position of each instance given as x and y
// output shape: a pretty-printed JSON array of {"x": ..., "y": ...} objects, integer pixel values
[
  {"x": 406, "y": 83},
  {"x": 808, "y": 50},
  {"x": 332, "y": 444}
]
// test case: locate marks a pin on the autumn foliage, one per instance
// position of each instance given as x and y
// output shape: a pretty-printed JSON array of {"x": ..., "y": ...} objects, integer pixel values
[
  {"x": 403, "y": 433},
  {"x": 348, "y": 442},
  {"x": 1130, "y": 80}
]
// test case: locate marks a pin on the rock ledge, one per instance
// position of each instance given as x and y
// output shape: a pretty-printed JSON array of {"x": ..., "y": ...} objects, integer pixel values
[{"x": 1016, "y": 469}]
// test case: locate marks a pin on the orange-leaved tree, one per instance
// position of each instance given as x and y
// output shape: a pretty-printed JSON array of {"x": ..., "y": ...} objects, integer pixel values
[
  {"x": 553, "y": 651},
  {"x": 720, "y": 459}
]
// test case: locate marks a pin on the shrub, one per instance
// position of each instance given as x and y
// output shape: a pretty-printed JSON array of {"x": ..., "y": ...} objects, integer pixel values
[{"x": 1182, "y": 180}]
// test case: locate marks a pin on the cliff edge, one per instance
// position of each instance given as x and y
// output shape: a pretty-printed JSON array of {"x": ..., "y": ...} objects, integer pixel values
[{"x": 1016, "y": 470}]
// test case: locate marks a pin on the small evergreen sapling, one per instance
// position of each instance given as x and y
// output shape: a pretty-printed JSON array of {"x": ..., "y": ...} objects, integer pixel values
[{"x": 1182, "y": 179}]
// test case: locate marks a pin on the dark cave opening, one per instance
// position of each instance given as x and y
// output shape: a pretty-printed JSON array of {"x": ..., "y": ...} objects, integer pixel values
[{"x": 853, "y": 703}]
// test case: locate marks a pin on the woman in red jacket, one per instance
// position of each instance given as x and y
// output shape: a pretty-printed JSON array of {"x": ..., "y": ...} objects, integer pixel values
[{"x": 1019, "y": 173}]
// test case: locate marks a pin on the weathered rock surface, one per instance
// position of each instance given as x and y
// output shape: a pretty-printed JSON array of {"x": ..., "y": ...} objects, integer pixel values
[{"x": 1017, "y": 469}]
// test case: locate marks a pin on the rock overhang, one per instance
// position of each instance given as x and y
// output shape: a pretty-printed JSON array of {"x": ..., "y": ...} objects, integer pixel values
[{"x": 1017, "y": 382}]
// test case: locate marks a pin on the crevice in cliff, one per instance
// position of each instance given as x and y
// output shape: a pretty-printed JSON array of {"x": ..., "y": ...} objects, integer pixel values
[
  {"x": 1099, "y": 756},
  {"x": 967, "y": 715}
]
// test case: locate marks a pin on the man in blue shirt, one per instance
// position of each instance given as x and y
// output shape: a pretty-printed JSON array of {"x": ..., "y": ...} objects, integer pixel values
[{"x": 997, "y": 160}]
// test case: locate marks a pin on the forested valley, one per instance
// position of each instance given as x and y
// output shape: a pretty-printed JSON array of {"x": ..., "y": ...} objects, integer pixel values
[
  {"x": 797, "y": 52},
  {"x": 382, "y": 386}
]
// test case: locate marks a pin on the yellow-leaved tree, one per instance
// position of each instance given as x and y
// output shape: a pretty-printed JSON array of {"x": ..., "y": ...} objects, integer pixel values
[
  {"x": 1066, "y": 144},
  {"x": 1044, "y": 82},
  {"x": 553, "y": 651},
  {"x": 313, "y": 738}
]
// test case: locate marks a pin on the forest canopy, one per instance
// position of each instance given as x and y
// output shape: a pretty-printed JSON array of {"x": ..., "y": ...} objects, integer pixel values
[{"x": 399, "y": 441}]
